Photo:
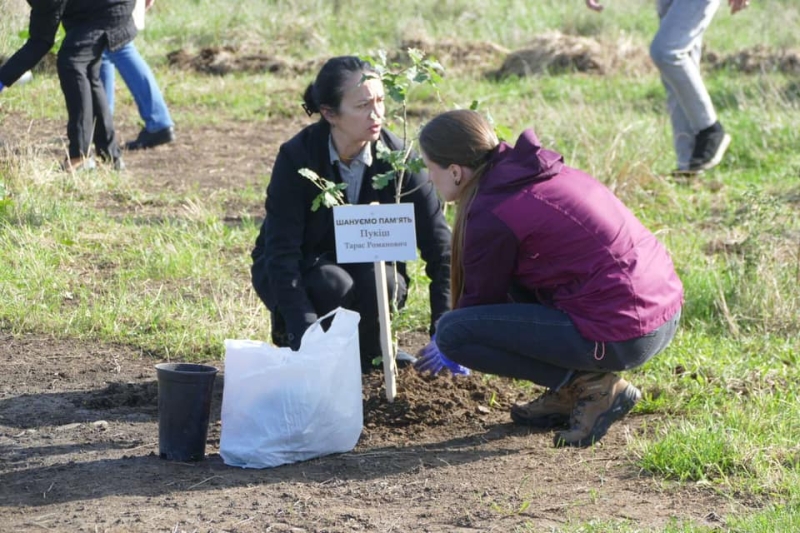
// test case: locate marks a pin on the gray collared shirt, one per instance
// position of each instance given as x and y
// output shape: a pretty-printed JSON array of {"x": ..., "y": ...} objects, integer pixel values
[{"x": 353, "y": 174}]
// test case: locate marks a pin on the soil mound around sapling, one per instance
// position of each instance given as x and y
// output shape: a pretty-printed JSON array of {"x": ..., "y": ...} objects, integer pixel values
[{"x": 425, "y": 401}]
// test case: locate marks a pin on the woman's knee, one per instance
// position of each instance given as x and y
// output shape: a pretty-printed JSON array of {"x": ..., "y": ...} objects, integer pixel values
[
  {"x": 449, "y": 334},
  {"x": 329, "y": 286}
]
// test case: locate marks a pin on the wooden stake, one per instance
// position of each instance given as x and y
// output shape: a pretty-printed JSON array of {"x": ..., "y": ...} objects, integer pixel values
[{"x": 387, "y": 347}]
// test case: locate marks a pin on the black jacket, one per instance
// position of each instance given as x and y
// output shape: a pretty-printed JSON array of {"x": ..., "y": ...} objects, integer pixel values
[
  {"x": 293, "y": 237},
  {"x": 84, "y": 21}
]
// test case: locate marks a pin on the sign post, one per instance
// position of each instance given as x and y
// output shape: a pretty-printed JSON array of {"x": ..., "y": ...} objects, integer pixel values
[{"x": 377, "y": 233}]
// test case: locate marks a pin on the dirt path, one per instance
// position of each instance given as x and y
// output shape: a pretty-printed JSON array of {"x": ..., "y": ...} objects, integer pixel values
[
  {"x": 79, "y": 425},
  {"x": 79, "y": 452}
]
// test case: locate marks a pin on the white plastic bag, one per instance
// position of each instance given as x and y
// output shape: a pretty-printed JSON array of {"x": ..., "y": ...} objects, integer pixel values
[{"x": 280, "y": 406}]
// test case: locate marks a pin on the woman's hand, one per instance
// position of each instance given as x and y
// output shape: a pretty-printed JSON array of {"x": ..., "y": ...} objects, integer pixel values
[{"x": 430, "y": 359}]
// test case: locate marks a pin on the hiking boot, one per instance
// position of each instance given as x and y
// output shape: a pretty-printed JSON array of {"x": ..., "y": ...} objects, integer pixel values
[
  {"x": 602, "y": 400},
  {"x": 550, "y": 410},
  {"x": 709, "y": 147}
]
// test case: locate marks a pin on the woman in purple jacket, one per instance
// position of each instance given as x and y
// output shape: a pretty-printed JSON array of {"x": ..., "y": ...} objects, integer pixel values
[{"x": 553, "y": 279}]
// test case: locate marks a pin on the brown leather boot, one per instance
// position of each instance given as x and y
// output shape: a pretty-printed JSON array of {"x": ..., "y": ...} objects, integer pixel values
[
  {"x": 602, "y": 399},
  {"x": 550, "y": 410}
]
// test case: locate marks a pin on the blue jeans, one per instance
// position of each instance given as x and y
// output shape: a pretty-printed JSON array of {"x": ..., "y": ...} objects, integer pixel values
[
  {"x": 142, "y": 84},
  {"x": 538, "y": 343},
  {"x": 676, "y": 52}
]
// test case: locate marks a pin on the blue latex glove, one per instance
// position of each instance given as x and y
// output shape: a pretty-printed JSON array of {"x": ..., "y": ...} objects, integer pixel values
[
  {"x": 1, "y": 86},
  {"x": 430, "y": 359}
]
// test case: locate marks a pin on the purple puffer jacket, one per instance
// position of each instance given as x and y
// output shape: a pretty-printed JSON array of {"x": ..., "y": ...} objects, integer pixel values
[{"x": 559, "y": 233}]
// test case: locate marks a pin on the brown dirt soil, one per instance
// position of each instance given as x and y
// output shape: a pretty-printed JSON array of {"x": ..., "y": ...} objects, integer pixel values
[
  {"x": 79, "y": 421},
  {"x": 79, "y": 452}
]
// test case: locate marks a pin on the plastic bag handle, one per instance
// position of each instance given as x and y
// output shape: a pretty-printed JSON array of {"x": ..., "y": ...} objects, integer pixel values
[{"x": 317, "y": 325}]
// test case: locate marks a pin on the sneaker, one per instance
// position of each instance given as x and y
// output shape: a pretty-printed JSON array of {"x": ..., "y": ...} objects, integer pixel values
[
  {"x": 147, "y": 139},
  {"x": 602, "y": 400},
  {"x": 550, "y": 410},
  {"x": 78, "y": 164},
  {"x": 709, "y": 147}
]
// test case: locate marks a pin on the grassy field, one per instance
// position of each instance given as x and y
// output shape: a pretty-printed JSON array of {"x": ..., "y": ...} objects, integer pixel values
[{"x": 727, "y": 387}]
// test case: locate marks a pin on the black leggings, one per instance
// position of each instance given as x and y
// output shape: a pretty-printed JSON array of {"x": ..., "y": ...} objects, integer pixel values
[
  {"x": 88, "y": 116},
  {"x": 351, "y": 286}
]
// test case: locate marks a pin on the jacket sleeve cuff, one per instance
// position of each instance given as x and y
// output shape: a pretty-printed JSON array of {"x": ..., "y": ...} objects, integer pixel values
[{"x": 297, "y": 326}]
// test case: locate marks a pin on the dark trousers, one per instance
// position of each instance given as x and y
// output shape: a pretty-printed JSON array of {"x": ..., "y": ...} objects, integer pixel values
[
  {"x": 351, "y": 286},
  {"x": 538, "y": 343},
  {"x": 89, "y": 118}
]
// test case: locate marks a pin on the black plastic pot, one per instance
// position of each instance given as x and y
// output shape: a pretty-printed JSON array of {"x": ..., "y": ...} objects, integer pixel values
[{"x": 184, "y": 406}]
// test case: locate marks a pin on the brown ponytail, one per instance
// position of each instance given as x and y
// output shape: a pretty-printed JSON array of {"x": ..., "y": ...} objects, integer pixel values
[{"x": 464, "y": 138}]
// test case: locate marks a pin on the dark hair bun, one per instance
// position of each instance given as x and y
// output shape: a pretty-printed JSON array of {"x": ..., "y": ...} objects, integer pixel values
[{"x": 309, "y": 102}]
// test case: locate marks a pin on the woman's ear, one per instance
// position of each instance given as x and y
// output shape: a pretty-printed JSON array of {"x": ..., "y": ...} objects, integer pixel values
[
  {"x": 456, "y": 172},
  {"x": 327, "y": 113}
]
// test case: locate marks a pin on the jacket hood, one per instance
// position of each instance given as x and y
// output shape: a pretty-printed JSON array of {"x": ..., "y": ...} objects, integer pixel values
[{"x": 523, "y": 163}]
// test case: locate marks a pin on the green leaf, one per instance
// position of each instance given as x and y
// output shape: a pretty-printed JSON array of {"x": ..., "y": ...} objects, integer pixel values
[
  {"x": 316, "y": 202},
  {"x": 382, "y": 180},
  {"x": 474, "y": 105},
  {"x": 397, "y": 93},
  {"x": 503, "y": 133},
  {"x": 329, "y": 199},
  {"x": 415, "y": 55},
  {"x": 415, "y": 164},
  {"x": 309, "y": 174}
]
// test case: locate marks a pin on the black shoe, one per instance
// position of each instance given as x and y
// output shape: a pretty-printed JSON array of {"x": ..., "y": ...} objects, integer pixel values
[
  {"x": 148, "y": 139},
  {"x": 709, "y": 147}
]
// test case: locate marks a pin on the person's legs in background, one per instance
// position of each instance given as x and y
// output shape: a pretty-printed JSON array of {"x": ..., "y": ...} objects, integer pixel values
[
  {"x": 73, "y": 73},
  {"x": 104, "y": 136},
  {"x": 700, "y": 140},
  {"x": 108, "y": 77},
  {"x": 140, "y": 80}
]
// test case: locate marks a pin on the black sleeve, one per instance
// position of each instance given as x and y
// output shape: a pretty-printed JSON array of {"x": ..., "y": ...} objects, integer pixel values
[
  {"x": 44, "y": 21},
  {"x": 283, "y": 230},
  {"x": 433, "y": 240}
]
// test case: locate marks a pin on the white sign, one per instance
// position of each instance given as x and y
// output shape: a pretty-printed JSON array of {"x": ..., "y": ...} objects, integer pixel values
[{"x": 375, "y": 232}]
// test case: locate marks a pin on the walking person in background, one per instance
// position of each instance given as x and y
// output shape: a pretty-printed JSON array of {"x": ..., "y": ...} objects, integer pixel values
[
  {"x": 700, "y": 140},
  {"x": 554, "y": 280},
  {"x": 295, "y": 270},
  {"x": 90, "y": 27},
  {"x": 136, "y": 73}
]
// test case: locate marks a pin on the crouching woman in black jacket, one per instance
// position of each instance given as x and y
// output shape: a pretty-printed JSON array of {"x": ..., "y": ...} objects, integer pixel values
[{"x": 295, "y": 271}]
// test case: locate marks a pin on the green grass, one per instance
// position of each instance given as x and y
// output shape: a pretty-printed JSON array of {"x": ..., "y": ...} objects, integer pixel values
[{"x": 724, "y": 395}]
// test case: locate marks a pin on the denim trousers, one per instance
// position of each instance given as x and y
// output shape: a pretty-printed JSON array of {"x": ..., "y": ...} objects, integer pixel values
[
  {"x": 141, "y": 82},
  {"x": 88, "y": 117},
  {"x": 538, "y": 343},
  {"x": 676, "y": 50}
]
